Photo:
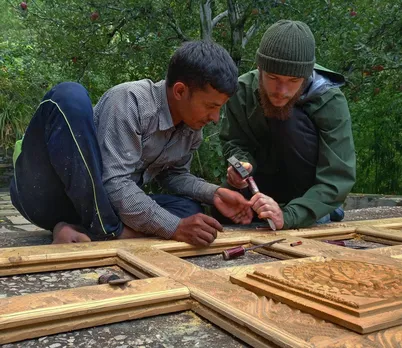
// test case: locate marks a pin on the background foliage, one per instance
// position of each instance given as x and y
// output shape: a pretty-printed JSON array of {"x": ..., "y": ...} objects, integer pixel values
[{"x": 103, "y": 43}]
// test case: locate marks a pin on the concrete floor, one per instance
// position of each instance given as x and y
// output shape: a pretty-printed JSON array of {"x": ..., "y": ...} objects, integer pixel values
[{"x": 184, "y": 329}]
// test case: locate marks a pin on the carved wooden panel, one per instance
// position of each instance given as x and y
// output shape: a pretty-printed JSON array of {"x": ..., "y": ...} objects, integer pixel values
[{"x": 360, "y": 295}]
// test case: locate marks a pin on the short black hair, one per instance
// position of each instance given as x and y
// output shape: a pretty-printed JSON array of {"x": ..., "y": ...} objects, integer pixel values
[{"x": 199, "y": 63}]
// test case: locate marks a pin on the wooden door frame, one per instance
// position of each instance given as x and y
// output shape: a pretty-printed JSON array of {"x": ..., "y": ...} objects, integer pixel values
[{"x": 169, "y": 284}]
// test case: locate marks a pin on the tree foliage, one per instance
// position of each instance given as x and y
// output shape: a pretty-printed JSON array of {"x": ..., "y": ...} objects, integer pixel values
[{"x": 103, "y": 43}]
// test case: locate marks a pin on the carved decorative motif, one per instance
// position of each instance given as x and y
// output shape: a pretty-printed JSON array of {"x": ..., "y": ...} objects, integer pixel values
[{"x": 346, "y": 277}]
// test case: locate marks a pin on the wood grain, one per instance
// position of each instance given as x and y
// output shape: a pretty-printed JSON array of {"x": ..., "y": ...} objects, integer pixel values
[
  {"x": 31, "y": 309},
  {"x": 90, "y": 320}
]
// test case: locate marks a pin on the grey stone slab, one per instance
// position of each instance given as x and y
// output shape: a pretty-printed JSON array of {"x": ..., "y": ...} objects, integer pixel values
[
  {"x": 30, "y": 228},
  {"x": 18, "y": 219}
]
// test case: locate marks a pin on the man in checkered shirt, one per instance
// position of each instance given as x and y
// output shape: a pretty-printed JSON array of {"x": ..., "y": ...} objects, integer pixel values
[{"x": 80, "y": 171}]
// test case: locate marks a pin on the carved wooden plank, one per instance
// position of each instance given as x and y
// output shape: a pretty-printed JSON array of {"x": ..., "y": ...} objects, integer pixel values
[
  {"x": 389, "y": 223},
  {"x": 90, "y": 320},
  {"x": 19, "y": 311},
  {"x": 393, "y": 251},
  {"x": 184, "y": 249},
  {"x": 57, "y": 266},
  {"x": 231, "y": 301},
  {"x": 360, "y": 295},
  {"x": 316, "y": 232},
  {"x": 235, "y": 329},
  {"x": 384, "y": 233},
  {"x": 308, "y": 248}
]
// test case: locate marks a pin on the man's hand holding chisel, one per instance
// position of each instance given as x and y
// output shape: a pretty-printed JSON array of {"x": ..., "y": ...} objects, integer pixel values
[{"x": 238, "y": 176}]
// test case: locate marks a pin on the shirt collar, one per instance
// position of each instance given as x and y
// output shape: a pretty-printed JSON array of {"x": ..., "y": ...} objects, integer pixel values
[{"x": 165, "y": 118}]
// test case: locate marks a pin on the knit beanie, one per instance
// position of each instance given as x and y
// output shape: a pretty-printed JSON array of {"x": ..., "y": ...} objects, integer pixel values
[{"x": 287, "y": 48}]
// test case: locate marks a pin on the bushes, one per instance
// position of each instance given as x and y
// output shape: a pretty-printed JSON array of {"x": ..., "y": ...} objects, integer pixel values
[{"x": 57, "y": 41}]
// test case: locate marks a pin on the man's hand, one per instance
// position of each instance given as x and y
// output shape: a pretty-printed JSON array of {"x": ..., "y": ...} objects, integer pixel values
[
  {"x": 198, "y": 229},
  {"x": 233, "y": 205},
  {"x": 266, "y": 207},
  {"x": 234, "y": 179}
]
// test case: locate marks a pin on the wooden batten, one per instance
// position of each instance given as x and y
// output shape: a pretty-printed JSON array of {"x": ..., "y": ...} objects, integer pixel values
[
  {"x": 27, "y": 310},
  {"x": 240, "y": 331},
  {"x": 57, "y": 266},
  {"x": 90, "y": 320},
  {"x": 383, "y": 233}
]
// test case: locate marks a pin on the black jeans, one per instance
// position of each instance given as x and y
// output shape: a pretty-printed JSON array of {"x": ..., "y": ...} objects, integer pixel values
[{"x": 58, "y": 175}]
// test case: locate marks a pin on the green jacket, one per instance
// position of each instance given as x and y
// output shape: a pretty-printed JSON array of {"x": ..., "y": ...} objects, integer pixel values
[{"x": 244, "y": 134}]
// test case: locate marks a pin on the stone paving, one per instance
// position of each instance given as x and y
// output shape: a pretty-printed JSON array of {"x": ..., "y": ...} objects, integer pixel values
[{"x": 184, "y": 329}]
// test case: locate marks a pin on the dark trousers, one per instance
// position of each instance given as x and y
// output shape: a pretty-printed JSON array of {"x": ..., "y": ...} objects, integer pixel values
[{"x": 58, "y": 175}]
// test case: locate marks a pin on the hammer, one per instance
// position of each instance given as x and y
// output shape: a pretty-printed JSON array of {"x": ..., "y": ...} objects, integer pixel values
[
  {"x": 238, "y": 167},
  {"x": 235, "y": 252}
]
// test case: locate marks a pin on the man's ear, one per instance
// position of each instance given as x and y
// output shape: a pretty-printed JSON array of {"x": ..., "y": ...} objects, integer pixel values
[{"x": 180, "y": 90}]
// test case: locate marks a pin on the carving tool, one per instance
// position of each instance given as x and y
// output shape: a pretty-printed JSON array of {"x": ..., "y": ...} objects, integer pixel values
[
  {"x": 112, "y": 279},
  {"x": 238, "y": 167},
  {"x": 238, "y": 251},
  {"x": 296, "y": 243}
]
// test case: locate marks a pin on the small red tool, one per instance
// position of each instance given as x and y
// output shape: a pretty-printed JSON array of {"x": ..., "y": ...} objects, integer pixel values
[
  {"x": 296, "y": 243},
  {"x": 238, "y": 251},
  {"x": 112, "y": 279},
  {"x": 238, "y": 167}
]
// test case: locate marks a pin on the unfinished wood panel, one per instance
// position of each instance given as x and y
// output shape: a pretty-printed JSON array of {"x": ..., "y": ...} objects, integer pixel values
[
  {"x": 31, "y": 309},
  {"x": 394, "y": 251},
  {"x": 90, "y": 320},
  {"x": 360, "y": 295},
  {"x": 57, "y": 266},
  {"x": 308, "y": 248},
  {"x": 184, "y": 250},
  {"x": 388, "y": 223},
  {"x": 318, "y": 232},
  {"x": 31, "y": 251},
  {"x": 130, "y": 268},
  {"x": 237, "y": 330},
  {"x": 384, "y": 233}
]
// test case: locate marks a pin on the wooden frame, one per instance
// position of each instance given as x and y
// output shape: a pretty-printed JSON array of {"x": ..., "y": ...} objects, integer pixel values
[{"x": 169, "y": 284}]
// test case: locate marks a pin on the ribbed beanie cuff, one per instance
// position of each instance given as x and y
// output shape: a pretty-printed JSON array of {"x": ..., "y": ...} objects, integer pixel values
[{"x": 287, "y": 48}]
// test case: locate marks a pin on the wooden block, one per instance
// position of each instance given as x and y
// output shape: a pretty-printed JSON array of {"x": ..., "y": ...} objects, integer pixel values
[{"x": 360, "y": 295}]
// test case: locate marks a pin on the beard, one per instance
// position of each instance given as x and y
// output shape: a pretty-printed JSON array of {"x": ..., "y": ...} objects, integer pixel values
[{"x": 279, "y": 112}]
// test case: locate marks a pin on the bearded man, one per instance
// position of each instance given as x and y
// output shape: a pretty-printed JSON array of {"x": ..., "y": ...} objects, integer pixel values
[{"x": 289, "y": 124}]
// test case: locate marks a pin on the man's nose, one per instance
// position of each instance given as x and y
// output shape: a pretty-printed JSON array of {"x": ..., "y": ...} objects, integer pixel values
[
  {"x": 281, "y": 88},
  {"x": 214, "y": 117}
]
